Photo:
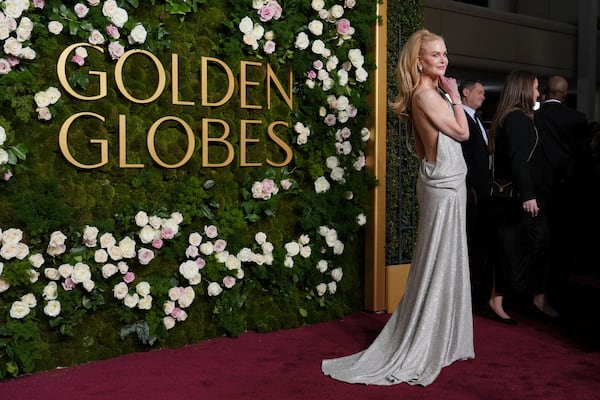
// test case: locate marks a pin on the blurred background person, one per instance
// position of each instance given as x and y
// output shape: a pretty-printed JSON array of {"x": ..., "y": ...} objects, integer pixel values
[
  {"x": 520, "y": 223},
  {"x": 477, "y": 158}
]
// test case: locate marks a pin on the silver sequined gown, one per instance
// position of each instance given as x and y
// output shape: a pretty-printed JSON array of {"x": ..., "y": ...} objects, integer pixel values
[{"x": 433, "y": 324}]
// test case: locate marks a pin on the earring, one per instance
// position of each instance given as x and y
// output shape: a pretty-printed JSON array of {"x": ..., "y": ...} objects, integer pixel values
[{"x": 420, "y": 69}]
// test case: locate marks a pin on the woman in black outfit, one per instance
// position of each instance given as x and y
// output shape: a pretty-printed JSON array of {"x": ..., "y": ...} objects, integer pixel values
[{"x": 520, "y": 252}]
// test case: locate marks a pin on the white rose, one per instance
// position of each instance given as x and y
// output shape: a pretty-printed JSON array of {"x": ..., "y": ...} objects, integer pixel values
[
  {"x": 143, "y": 288},
  {"x": 316, "y": 27},
  {"x": 96, "y": 37},
  {"x": 318, "y": 47},
  {"x": 141, "y": 218},
  {"x": 221, "y": 256},
  {"x": 52, "y": 309},
  {"x": 321, "y": 185},
  {"x": 57, "y": 238},
  {"x": 22, "y": 251},
  {"x": 29, "y": 299},
  {"x": 321, "y": 289},
  {"x": 168, "y": 307},
  {"x": 147, "y": 234},
  {"x": 2, "y": 135},
  {"x": 115, "y": 253},
  {"x": 332, "y": 287},
  {"x": 195, "y": 239},
  {"x": 356, "y": 58},
  {"x": 187, "y": 297},
  {"x": 109, "y": 7},
  {"x": 338, "y": 247},
  {"x": 169, "y": 322},
  {"x": 93, "y": 3},
  {"x": 19, "y": 309},
  {"x": 337, "y": 274},
  {"x": 109, "y": 270},
  {"x": 89, "y": 285},
  {"x": 305, "y": 251},
  {"x": 4, "y": 286},
  {"x": 302, "y": 41},
  {"x": 33, "y": 276},
  {"x": 137, "y": 35},
  {"x": 12, "y": 46},
  {"x": 155, "y": 221},
  {"x": 12, "y": 236},
  {"x": 36, "y": 260},
  {"x": 81, "y": 273},
  {"x": 292, "y": 249},
  {"x": 65, "y": 270},
  {"x": 123, "y": 267},
  {"x": 131, "y": 300},
  {"x": 189, "y": 269},
  {"x": 288, "y": 262},
  {"x": 322, "y": 266},
  {"x": 361, "y": 219},
  {"x": 177, "y": 217},
  {"x": 27, "y": 53},
  {"x": 55, "y": 27},
  {"x": 361, "y": 75},
  {"x": 14, "y": 8},
  {"x": 332, "y": 162},
  {"x": 214, "y": 289},
  {"x": 317, "y": 5},
  {"x": 127, "y": 246},
  {"x": 267, "y": 247},
  {"x": 107, "y": 240},
  {"x": 232, "y": 262},
  {"x": 145, "y": 303},
  {"x": 246, "y": 25},
  {"x": 52, "y": 274},
  {"x": 337, "y": 11},
  {"x": 206, "y": 248},
  {"x": 337, "y": 174},
  {"x": 120, "y": 17},
  {"x": 244, "y": 255},
  {"x": 100, "y": 256},
  {"x": 50, "y": 291},
  {"x": 120, "y": 290},
  {"x": 90, "y": 236}
]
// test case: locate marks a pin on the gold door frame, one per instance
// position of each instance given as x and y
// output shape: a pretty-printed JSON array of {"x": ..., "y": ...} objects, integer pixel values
[{"x": 384, "y": 285}]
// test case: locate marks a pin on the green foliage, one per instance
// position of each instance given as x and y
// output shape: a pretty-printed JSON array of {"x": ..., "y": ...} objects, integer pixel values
[{"x": 146, "y": 168}]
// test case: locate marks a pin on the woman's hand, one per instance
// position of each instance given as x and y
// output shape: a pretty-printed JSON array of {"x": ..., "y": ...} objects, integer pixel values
[
  {"x": 451, "y": 87},
  {"x": 531, "y": 207}
]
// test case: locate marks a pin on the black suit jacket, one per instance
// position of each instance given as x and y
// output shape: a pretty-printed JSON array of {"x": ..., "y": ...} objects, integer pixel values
[
  {"x": 515, "y": 141},
  {"x": 564, "y": 135},
  {"x": 477, "y": 159}
]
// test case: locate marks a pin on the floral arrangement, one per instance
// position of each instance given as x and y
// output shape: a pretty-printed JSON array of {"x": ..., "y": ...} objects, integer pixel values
[{"x": 182, "y": 247}]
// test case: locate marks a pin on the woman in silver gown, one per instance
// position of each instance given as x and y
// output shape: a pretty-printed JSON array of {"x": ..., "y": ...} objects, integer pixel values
[{"x": 432, "y": 325}]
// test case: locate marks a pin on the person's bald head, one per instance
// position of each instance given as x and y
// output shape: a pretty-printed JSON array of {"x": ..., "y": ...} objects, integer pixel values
[{"x": 557, "y": 88}]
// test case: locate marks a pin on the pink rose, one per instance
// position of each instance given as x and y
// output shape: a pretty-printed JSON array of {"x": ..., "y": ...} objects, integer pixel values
[
  {"x": 167, "y": 233},
  {"x": 38, "y": 3},
  {"x": 285, "y": 184},
  {"x": 229, "y": 281},
  {"x": 68, "y": 284},
  {"x": 129, "y": 277},
  {"x": 78, "y": 60},
  {"x": 145, "y": 256},
  {"x": 200, "y": 262},
  {"x": 157, "y": 243},
  {"x": 7, "y": 175},
  {"x": 268, "y": 185},
  {"x": 210, "y": 231},
  {"x": 343, "y": 26},
  {"x": 113, "y": 32}
]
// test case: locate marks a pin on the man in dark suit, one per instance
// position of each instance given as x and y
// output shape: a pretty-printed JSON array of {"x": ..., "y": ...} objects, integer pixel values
[
  {"x": 477, "y": 159},
  {"x": 564, "y": 137}
]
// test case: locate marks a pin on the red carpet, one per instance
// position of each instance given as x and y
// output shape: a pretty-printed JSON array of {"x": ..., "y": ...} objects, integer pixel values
[{"x": 533, "y": 360}]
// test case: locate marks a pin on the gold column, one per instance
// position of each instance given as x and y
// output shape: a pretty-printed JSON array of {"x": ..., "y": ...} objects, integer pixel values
[{"x": 375, "y": 274}]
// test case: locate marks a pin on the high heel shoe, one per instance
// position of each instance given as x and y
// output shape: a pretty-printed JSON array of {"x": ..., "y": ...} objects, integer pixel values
[{"x": 489, "y": 312}]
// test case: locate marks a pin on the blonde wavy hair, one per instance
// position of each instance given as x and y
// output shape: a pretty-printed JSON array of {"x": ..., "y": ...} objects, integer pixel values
[{"x": 407, "y": 73}]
